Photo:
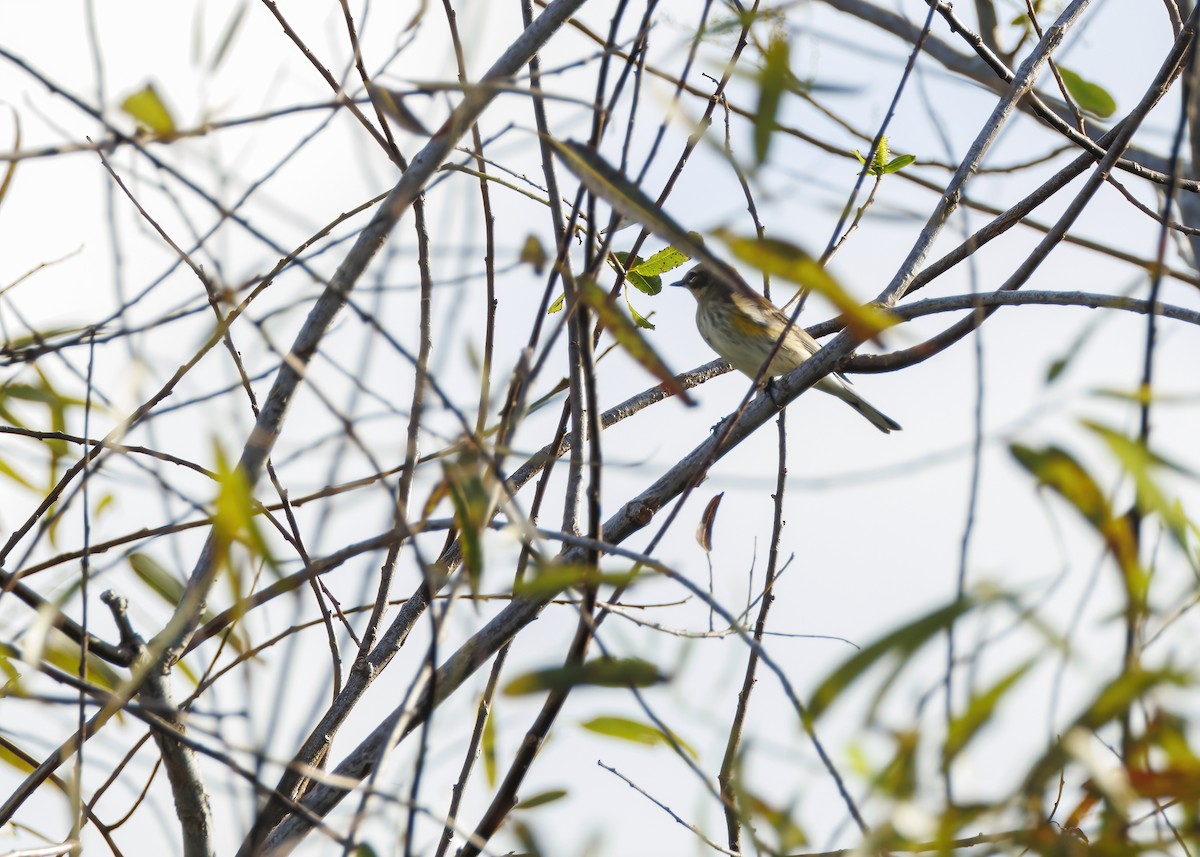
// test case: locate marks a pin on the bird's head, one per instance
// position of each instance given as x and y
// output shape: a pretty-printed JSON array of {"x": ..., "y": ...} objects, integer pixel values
[{"x": 697, "y": 281}]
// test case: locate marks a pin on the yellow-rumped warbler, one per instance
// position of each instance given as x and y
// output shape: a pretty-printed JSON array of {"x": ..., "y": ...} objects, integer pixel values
[{"x": 743, "y": 328}]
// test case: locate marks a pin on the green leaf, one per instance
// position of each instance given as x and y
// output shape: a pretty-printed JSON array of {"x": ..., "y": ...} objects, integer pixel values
[
  {"x": 648, "y": 284},
  {"x": 605, "y": 672},
  {"x": 1056, "y": 369},
  {"x": 879, "y": 162},
  {"x": 633, "y": 731},
  {"x": 784, "y": 259},
  {"x": 148, "y": 110},
  {"x": 628, "y": 200},
  {"x": 8, "y": 470},
  {"x": 666, "y": 259},
  {"x": 487, "y": 746},
  {"x": 63, "y": 652},
  {"x": 901, "y": 642},
  {"x": 471, "y": 499},
  {"x": 227, "y": 36},
  {"x": 553, "y": 578},
  {"x": 979, "y": 712},
  {"x": 162, "y": 582},
  {"x": 11, "y": 169},
  {"x": 1120, "y": 695},
  {"x": 557, "y": 305},
  {"x": 773, "y": 80},
  {"x": 14, "y": 760},
  {"x": 542, "y": 798},
  {"x": 789, "y": 834},
  {"x": 638, "y": 319},
  {"x": 1057, "y": 469},
  {"x": 234, "y": 520},
  {"x": 1140, "y": 463},
  {"x": 627, "y": 335},
  {"x": 1091, "y": 98},
  {"x": 898, "y": 163},
  {"x": 170, "y": 588}
]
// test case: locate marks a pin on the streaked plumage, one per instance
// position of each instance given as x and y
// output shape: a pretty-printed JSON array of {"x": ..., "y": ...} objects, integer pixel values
[{"x": 743, "y": 328}]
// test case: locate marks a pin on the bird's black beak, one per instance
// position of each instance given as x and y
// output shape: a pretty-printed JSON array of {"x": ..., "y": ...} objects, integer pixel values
[{"x": 680, "y": 283}]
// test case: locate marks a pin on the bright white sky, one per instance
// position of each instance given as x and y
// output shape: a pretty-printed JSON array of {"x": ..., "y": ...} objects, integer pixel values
[{"x": 874, "y": 522}]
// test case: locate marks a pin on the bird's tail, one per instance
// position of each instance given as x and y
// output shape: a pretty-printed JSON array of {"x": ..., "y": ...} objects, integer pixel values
[{"x": 878, "y": 418}]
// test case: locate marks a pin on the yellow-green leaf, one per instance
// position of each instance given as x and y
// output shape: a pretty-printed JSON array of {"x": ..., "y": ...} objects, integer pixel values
[
  {"x": 1059, "y": 470},
  {"x": 149, "y": 111},
  {"x": 898, "y": 163},
  {"x": 901, "y": 642},
  {"x": 553, "y": 578},
  {"x": 605, "y": 672},
  {"x": 162, "y": 582},
  {"x": 11, "y": 169},
  {"x": 628, "y": 200},
  {"x": 1091, "y": 97},
  {"x": 466, "y": 479},
  {"x": 234, "y": 515},
  {"x": 633, "y": 731},
  {"x": 487, "y": 746},
  {"x": 784, "y": 259},
  {"x": 392, "y": 104},
  {"x": 773, "y": 80},
  {"x": 649, "y": 284},
  {"x": 626, "y": 333},
  {"x": 666, "y": 259},
  {"x": 979, "y": 712},
  {"x": 542, "y": 798}
]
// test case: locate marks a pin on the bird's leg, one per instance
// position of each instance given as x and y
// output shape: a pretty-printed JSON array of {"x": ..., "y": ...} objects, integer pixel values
[{"x": 769, "y": 388}]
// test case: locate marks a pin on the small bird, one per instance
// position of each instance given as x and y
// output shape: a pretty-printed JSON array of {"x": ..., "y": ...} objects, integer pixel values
[{"x": 743, "y": 327}]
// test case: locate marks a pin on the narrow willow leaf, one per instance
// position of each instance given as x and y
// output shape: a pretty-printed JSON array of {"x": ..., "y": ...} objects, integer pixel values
[
  {"x": 542, "y": 798},
  {"x": 149, "y": 111},
  {"x": 1140, "y": 463},
  {"x": 628, "y": 200},
  {"x": 901, "y": 642},
  {"x": 618, "y": 672},
  {"x": 898, "y": 163},
  {"x": 166, "y": 585},
  {"x": 1128, "y": 689},
  {"x": 225, "y": 42},
  {"x": 12, "y": 165},
  {"x": 1058, "y": 469},
  {"x": 626, "y": 333},
  {"x": 978, "y": 714},
  {"x": 782, "y": 821},
  {"x": 15, "y": 761},
  {"x": 638, "y": 319},
  {"x": 784, "y": 259},
  {"x": 466, "y": 480},
  {"x": 553, "y": 578},
  {"x": 170, "y": 588},
  {"x": 634, "y": 732},
  {"x": 773, "y": 80},
  {"x": 487, "y": 746},
  {"x": 63, "y": 652},
  {"x": 1091, "y": 97},
  {"x": 392, "y": 104}
]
